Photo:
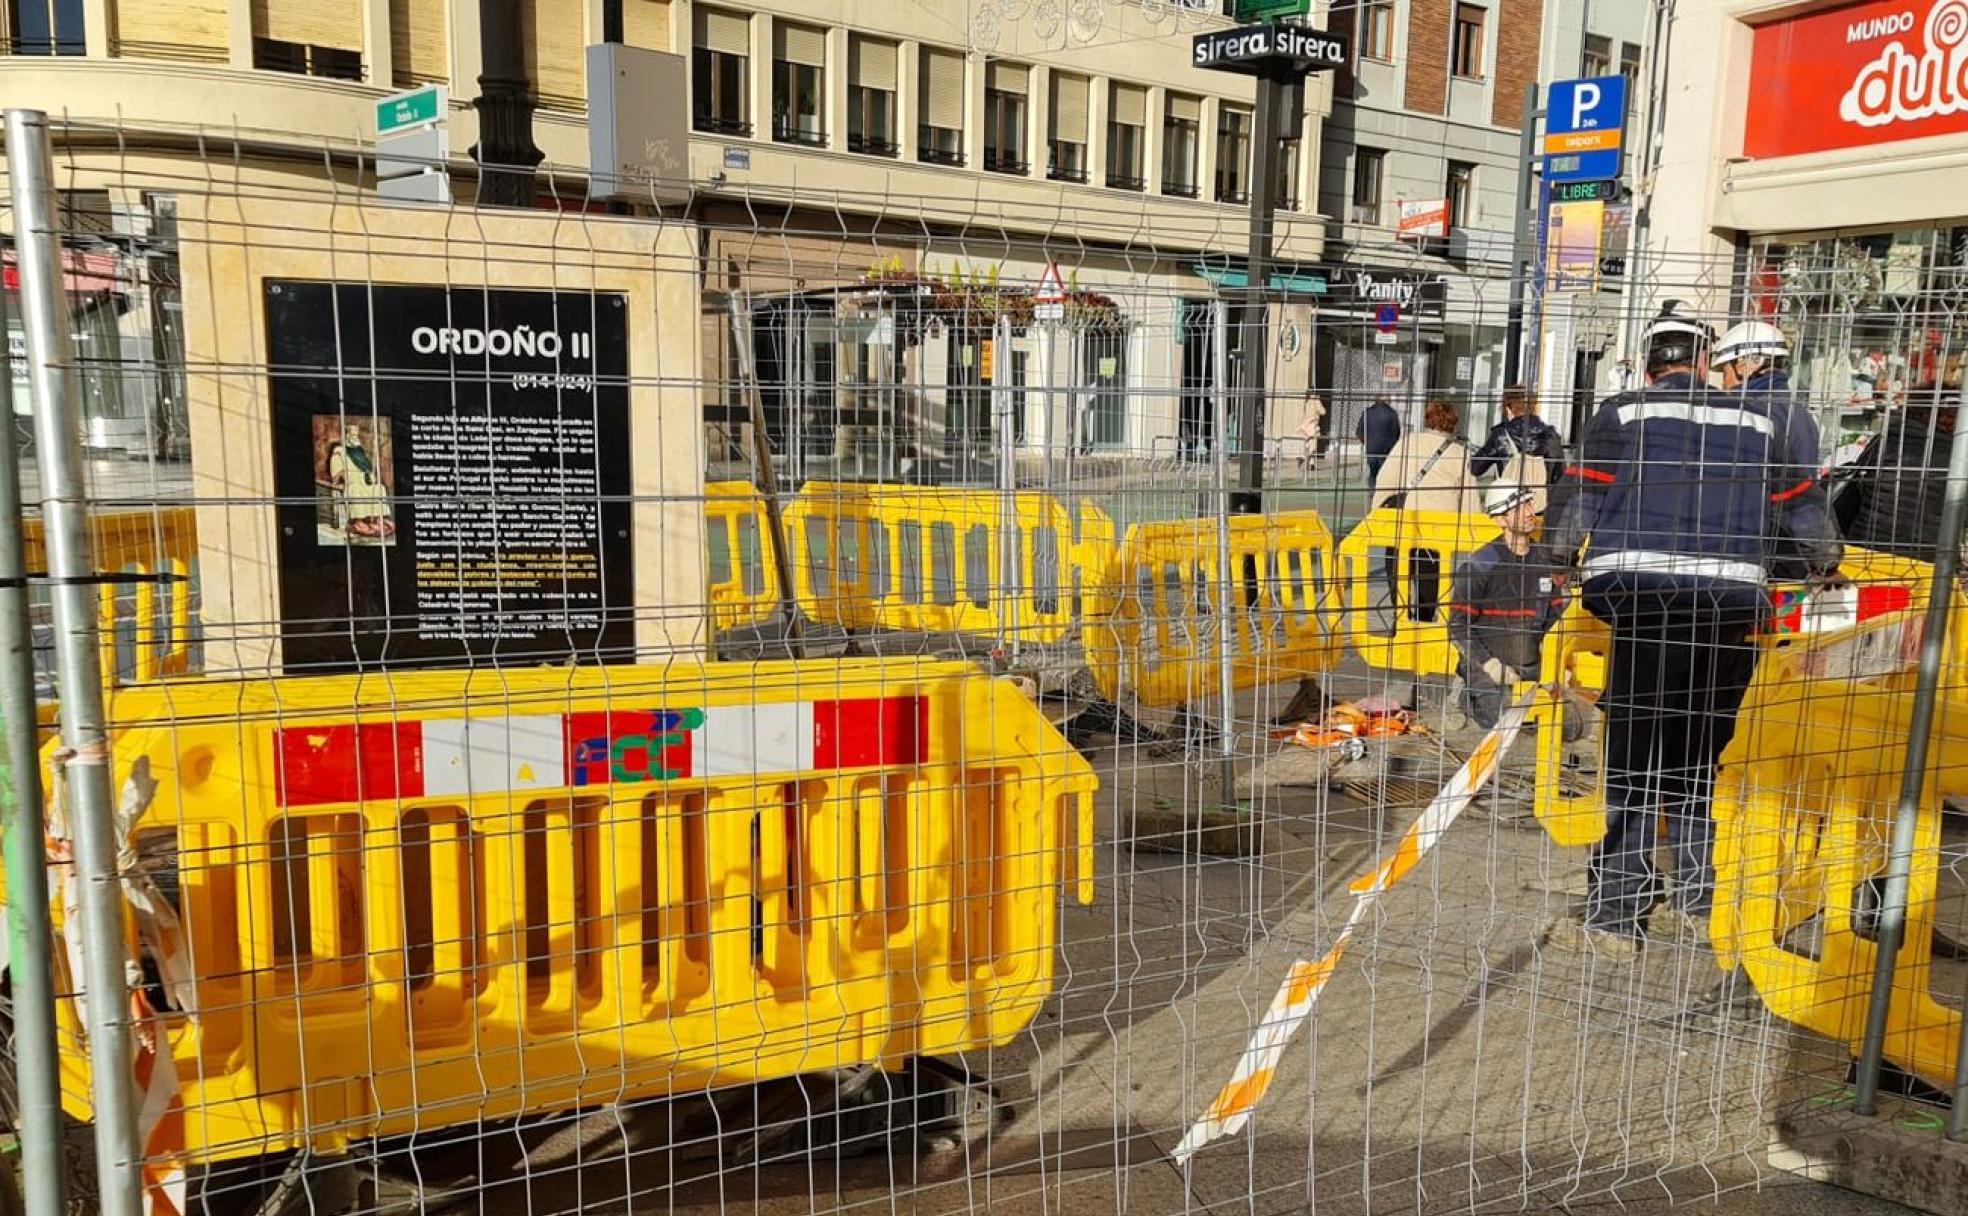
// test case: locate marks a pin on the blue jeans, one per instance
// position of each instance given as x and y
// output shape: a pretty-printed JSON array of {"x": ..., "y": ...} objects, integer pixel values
[{"x": 1681, "y": 662}]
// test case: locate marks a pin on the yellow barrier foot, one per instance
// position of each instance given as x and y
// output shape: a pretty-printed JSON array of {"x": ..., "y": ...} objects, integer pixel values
[
  {"x": 1569, "y": 934},
  {"x": 1734, "y": 998}
]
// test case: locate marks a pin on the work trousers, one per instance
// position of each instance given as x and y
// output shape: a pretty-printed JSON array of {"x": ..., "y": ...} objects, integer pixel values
[{"x": 1681, "y": 661}]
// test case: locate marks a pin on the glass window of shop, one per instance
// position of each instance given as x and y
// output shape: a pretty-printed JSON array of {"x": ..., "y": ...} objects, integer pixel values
[
  {"x": 1873, "y": 318},
  {"x": 120, "y": 274}
]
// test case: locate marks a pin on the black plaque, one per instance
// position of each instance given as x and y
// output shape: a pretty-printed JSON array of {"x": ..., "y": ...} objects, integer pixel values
[{"x": 452, "y": 466}]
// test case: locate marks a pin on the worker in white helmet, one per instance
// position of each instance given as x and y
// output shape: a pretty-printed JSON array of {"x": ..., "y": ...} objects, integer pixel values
[{"x": 1753, "y": 357}]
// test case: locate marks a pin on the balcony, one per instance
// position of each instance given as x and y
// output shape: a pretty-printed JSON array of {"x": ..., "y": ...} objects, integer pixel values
[
  {"x": 1179, "y": 189},
  {"x": 869, "y": 145},
  {"x": 929, "y": 153},
  {"x": 999, "y": 162},
  {"x": 798, "y": 137},
  {"x": 1120, "y": 181},
  {"x": 716, "y": 124},
  {"x": 1077, "y": 175}
]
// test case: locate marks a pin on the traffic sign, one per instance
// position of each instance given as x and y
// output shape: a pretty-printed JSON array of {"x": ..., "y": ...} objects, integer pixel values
[
  {"x": 415, "y": 108},
  {"x": 1584, "y": 127},
  {"x": 1584, "y": 192},
  {"x": 1387, "y": 316},
  {"x": 1052, "y": 288},
  {"x": 1270, "y": 10}
]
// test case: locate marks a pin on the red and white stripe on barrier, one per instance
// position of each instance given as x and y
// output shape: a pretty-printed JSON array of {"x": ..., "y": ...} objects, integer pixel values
[
  {"x": 1299, "y": 994},
  {"x": 336, "y": 762}
]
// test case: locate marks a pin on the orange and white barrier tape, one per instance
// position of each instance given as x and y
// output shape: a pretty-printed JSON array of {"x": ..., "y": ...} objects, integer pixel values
[
  {"x": 160, "y": 1106},
  {"x": 1299, "y": 994}
]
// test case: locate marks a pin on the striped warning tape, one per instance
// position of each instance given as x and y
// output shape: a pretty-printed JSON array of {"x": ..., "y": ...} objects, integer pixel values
[{"x": 1300, "y": 992}]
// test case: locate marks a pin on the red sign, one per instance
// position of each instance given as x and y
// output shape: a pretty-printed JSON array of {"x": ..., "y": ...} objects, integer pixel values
[{"x": 1858, "y": 75}]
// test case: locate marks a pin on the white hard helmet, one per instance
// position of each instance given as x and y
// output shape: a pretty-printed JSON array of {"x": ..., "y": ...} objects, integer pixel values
[
  {"x": 1504, "y": 496},
  {"x": 1675, "y": 336},
  {"x": 1751, "y": 338}
]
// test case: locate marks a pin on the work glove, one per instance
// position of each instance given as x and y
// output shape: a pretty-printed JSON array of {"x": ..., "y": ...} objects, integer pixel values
[
  {"x": 1493, "y": 668},
  {"x": 1823, "y": 580}
]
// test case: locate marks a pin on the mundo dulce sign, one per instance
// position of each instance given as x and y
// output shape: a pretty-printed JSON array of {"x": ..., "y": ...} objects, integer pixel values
[{"x": 1858, "y": 75}]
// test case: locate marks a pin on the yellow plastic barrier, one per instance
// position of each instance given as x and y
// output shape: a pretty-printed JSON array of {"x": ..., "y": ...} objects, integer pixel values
[
  {"x": 930, "y": 560},
  {"x": 1804, "y": 812},
  {"x": 158, "y": 549},
  {"x": 1155, "y": 629},
  {"x": 1578, "y": 648},
  {"x": 483, "y": 894},
  {"x": 1406, "y": 627},
  {"x": 744, "y": 580}
]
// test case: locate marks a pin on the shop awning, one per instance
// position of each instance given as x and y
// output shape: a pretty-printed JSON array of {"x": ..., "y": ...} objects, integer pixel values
[{"x": 1298, "y": 280}]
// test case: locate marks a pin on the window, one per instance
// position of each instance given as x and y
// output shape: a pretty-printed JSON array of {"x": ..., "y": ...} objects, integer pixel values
[
  {"x": 1285, "y": 189},
  {"x": 1630, "y": 68},
  {"x": 1377, "y": 30},
  {"x": 1068, "y": 142},
  {"x": 1597, "y": 58},
  {"x": 720, "y": 59},
  {"x": 942, "y": 108},
  {"x": 1466, "y": 42},
  {"x": 1182, "y": 133},
  {"x": 1233, "y": 151},
  {"x": 1368, "y": 164},
  {"x": 1460, "y": 192},
  {"x": 332, "y": 63},
  {"x": 799, "y": 85},
  {"x": 1127, "y": 138},
  {"x": 45, "y": 27},
  {"x": 1004, "y": 117},
  {"x": 871, "y": 97}
]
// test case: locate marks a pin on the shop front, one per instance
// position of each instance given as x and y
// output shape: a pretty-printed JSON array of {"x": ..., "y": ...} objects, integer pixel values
[
  {"x": 1382, "y": 334},
  {"x": 1837, "y": 200}
]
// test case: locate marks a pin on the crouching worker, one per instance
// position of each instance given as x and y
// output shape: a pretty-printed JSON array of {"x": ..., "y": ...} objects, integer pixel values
[{"x": 1507, "y": 595}]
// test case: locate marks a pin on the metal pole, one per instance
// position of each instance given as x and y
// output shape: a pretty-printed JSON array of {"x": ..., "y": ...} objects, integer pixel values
[
  {"x": 1249, "y": 499},
  {"x": 78, "y": 660},
  {"x": 1005, "y": 401},
  {"x": 1226, "y": 597},
  {"x": 767, "y": 477},
  {"x": 37, "y": 1078},
  {"x": 1513, "y": 333},
  {"x": 1913, "y": 776}
]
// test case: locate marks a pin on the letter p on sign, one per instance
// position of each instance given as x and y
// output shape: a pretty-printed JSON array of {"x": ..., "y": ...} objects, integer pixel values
[{"x": 1585, "y": 99}]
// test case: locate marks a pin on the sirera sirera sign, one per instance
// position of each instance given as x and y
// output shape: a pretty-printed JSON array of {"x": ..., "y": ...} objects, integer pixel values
[{"x": 1264, "y": 48}]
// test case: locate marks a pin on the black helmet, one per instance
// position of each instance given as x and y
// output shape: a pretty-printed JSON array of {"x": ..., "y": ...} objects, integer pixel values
[{"x": 1675, "y": 338}]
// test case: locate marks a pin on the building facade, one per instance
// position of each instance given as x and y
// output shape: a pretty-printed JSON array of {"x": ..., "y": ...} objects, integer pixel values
[
  {"x": 1420, "y": 176},
  {"x": 831, "y": 148},
  {"x": 1812, "y": 174}
]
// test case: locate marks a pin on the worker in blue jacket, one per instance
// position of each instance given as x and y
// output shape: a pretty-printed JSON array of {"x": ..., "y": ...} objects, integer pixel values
[{"x": 1685, "y": 495}]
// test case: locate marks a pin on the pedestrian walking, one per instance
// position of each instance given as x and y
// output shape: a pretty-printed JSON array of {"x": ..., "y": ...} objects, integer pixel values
[
  {"x": 1429, "y": 470},
  {"x": 1379, "y": 429},
  {"x": 1524, "y": 440},
  {"x": 1684, "y": 492},
  {"x": 1426, "y": 471}
]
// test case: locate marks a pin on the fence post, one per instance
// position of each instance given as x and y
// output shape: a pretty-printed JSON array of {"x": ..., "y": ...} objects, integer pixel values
[
  {"x": 1913, "y": 775},
  {"x": 30, "y": 936},
  {"x": 78, "y": 660},
  {"x": 1226, "y": 654}
]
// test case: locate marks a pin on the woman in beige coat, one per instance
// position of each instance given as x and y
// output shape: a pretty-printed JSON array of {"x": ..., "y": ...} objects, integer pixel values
[{"x": 1431, "y": 466}]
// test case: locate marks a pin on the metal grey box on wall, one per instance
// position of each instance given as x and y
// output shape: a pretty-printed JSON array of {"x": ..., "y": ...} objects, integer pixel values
[{"x": 638, "y": 142}]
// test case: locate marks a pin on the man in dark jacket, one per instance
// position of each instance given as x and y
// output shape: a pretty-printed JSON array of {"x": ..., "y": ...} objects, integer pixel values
[
  {"x": 1521, "y": 431},
  {"x": 1892, "y": 500},
  {"x": 1379, "y": 430},
  {"x": 1507, "y": 595},
  {"x": 1685, "y": 494}
]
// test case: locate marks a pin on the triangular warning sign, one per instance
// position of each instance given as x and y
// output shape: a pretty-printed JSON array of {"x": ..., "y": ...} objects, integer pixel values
[{"x": 1052, "y": 289}]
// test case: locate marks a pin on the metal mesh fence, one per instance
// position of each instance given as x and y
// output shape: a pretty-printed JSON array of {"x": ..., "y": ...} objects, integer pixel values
[{"x": 739, "y": 706}]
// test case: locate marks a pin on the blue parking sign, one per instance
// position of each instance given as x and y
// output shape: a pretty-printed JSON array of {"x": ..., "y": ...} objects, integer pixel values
[{"x": 1584, "y": 129}]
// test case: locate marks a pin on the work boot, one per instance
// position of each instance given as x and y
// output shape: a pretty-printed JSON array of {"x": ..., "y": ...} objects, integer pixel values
[
  {"x": 1574, "y": 935},
  {"x": 1674, "y": 924}
]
